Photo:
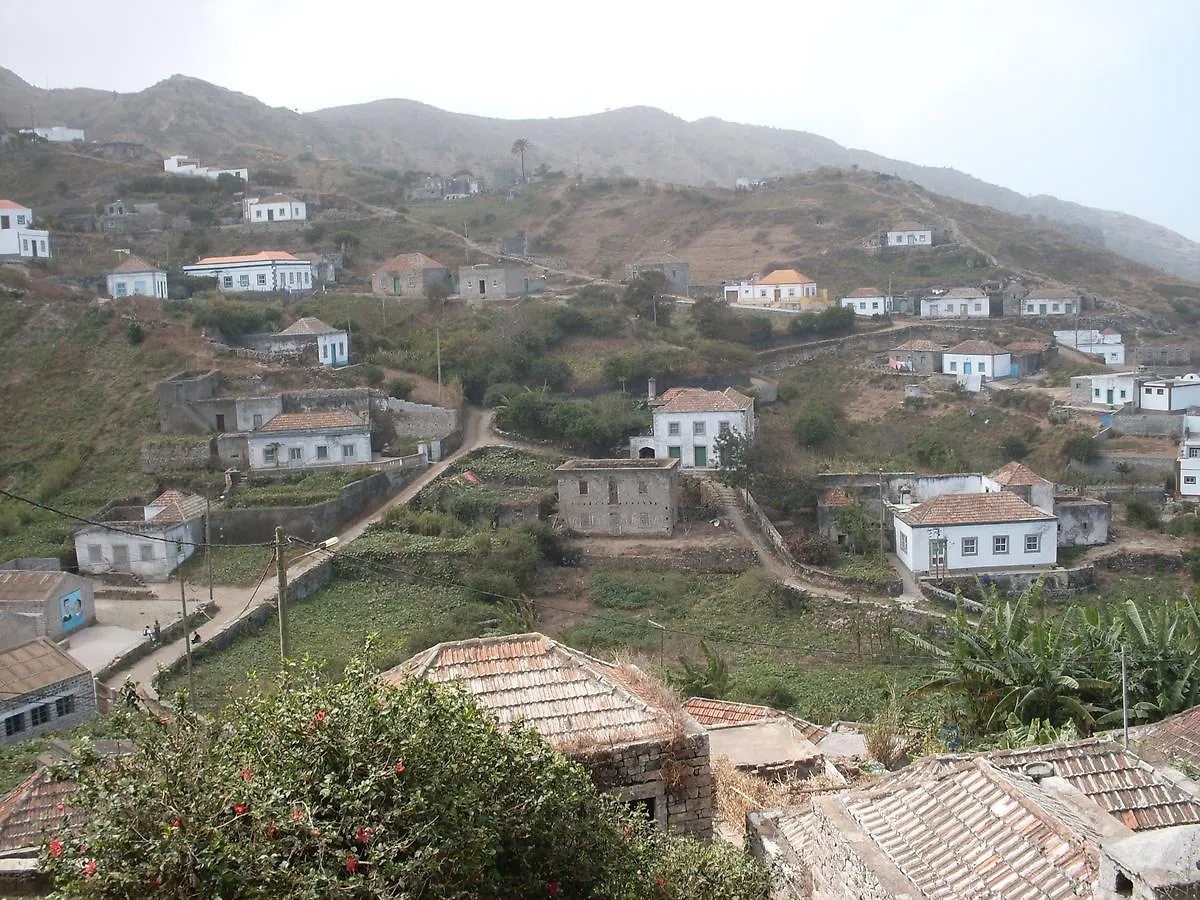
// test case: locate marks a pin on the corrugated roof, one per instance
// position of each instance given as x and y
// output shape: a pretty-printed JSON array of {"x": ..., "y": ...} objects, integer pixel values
[
  {"x": 961, "y": 293},
  {"x": 691, "y": 400},
  {"x": 570, "y": 698},
  {"x": 707, "y": 712},
  {"x": 972, "y": 509},
  {"x": 12, "y": 204},
  {"x": 309, "y": 325},
  {"x": 30, "y": 586},
  {"x": 1015, "y": 474},
  {"x": 308, "y": 420},
  {"x": 135, "y": 264},
  {"x": 30, "y": 814},
  {"x": 978, "y": 348},
  {"x": 784, "y": 276},
  {"x": 970, "y": 832},
  {"x": 921, "y": 346},
  {"x": 262, "y": 256},
  {"x": 35, "y": 665},
  {"x": 406, "y": 262},
  {"x": 1123, "y": 785},
  {"x": 866, "y": 292},
  {"x": 178, "y": 507}
]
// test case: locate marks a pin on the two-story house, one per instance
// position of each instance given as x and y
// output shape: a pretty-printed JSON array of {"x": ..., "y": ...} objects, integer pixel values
[
  {"x": 18, "y": 237},
  {"x": 619, "y": 496},
  {"x": 1187, "y": 466},
  {"x": 687, "y": 422}
]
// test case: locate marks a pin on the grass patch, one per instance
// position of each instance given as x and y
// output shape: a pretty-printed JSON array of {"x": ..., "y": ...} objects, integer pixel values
[
  {"x": 230, "y": 565},
  {"x": 304, "y": 490}
]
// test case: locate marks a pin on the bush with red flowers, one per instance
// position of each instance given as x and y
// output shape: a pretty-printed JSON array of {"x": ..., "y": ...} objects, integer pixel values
[{"x": 362, "y": 789}]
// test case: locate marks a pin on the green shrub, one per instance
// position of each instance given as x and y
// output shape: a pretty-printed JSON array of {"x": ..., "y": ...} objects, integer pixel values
[
  {"x": 492, "y": 587},
  {"x": 134, "y": 333},
  {"x": 373, "y": 374},
  {"x": 401, "y": 388},
  {"x": 815, "y": 425},
  {"x": 1014, "y": 446},
  {"x": 1082, "y": 447},
  {"x": 1139, "y": 513},
  {"x": 616, "y": 592}
]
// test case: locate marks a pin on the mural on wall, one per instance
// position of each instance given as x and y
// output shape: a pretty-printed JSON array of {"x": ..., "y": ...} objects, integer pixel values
[{"x": 70, "y": 608}]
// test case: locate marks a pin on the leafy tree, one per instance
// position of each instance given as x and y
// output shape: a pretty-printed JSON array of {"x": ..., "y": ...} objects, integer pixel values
[
  {"x": 1082, "y": 447},
  {"x": 816, "y": 424},
  {"x": 644, "y": 297},
  {"x": 1014, "y": 446},
  {"x": 731, "y": 446},
  {"x": 860, "y": 527},
  {"x": 400, "y": 388},
  {"x": 519, "y": 148},
  {"x": 361, "y": 789}
]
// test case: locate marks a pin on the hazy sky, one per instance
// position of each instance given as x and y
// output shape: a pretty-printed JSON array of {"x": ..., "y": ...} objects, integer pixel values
[{"x": 1095, "y": 101}]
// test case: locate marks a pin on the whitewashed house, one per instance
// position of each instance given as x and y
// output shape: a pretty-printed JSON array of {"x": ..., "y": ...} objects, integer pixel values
[
  {"x": 57, "y": 134},
  {"x": 18, "y": 237},
  {"x": 1116, "y": 389},
  {"x": 781, "y": 289},
  {"x": 1106, "y": 343},
  {"x": 183, "y": 165},
  {"x": 135, "y": 277},
  {"x": 1171, "y": 394},
  {"x": 867, "y": 302},
  {"x": 957, "y": 533},
  {"x": 1187, "y": 466},
  {"x": 149, "y": 541},
  {"x": 976, "y": 357},
  {"x": 333, "y": 344},
  {"x": 310, "y": 440},
  {"x": 687, "y": 422},
  {"x": 274, "y": 208},
  {"x": 909, "y": 234},
  {"x": 1050, "y": 302},
  {"x": 270, "y": 270},
  {"x": 957, "y": 303}
]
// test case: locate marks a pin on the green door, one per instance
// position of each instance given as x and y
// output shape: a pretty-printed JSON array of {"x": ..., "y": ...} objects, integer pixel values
[
  {"x": 674, "y": 453},
  {"x": 701, "y": 457}
]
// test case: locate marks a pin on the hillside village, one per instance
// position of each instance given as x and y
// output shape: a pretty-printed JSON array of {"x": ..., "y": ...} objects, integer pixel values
[{"x": 786, "y": 508}]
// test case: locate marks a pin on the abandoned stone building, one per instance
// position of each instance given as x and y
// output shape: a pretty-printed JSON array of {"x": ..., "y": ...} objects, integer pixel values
[
  {"x": 619, "y": 496},
  {"x": 623, "y": 726}
]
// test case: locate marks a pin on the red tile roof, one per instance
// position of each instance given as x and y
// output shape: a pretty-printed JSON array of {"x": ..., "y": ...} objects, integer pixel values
[
  {"x": 1014, "y": 474},
  {"x": 972, "y": 509},
  {"x": 726, "y": 712},
  {"x": 310, "y": 420},
  {"x": 1176, "y": 738},
  {"x": 29, "y": 814},
  {"x": 866, "y": 292},
  {"x": 1018, "y": 346},
  {"x": 920, "y": 346},
  {"x": 11, "y": 204},
  {"x": 407, "y": 262},
  {"x": 135, "y": 264},
  {"x": 978, "y": 348},
  {"x": 693, "y": 400},
  {"x": 261, "y": 256},
  {"x": 178, "y": 507},
  {"x": 784, "y": 276},
  {"x": 572, "y": 699}
]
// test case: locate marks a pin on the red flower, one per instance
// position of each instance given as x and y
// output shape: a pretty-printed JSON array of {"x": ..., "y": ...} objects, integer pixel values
[
  {"x": 661, "y": 882},
  {"x": 246, "y": 776},
  {"x": 351, "y": 864},
  {"x": 400, "y": 767},
  {"x": 90, "y": 869},
  {"x": 316, "y": 832},
  {"x": 240, "y": 808},
  {"x": 271, "y": 831},
  {"x": 56, "y": 848},
  {"x": 154, "y": 882},
  {"x": 552, "y": 888},
  {"x": 297, "y": 814},
  {"x": 60, "y": 807},
  {"x": 177, "y": 823},
  {"x": 320, "y": 716},
  {"x": 363, "y": 835}
]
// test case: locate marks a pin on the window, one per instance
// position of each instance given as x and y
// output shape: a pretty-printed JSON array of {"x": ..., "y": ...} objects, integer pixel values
[
  {"x": 644, "y": 520},
  {"x": 978, "y": 307},
  {"x": 95, "y": 554},
  {"x": 1189, "y": 479},
  {"x": 262, "y": 278},
  {"x": 270, "y": 454},
  {"x": 1000, "y": 543},
  {"x": 258, "y": 420},
  {"x": 295, "y": 454},
  {"x": 64, "y": 706},
  {"x": 347, "y": 451},
  {"x": 583, "y": 487},
  {"x": 1033, "y": 543},
  {"x": 20, "y": 218},
  {"x": 902, "y": 541},
  {"x": 121, "y": 555},
  {"x": 1029, "y": 308},
  {"x": 258, "y": 214},
  {"x": 412, "y": 281},
  {"x": 953, "y": 366},
  {"x": 5, "y": 223},
  {"x": 970, "y": 546},
  {"x": 14, "y": 724},
  {"x": 723, "y": 427},
  {"x": 643, "y": 487},
  {"x": 673, "y": 429},
  {"x": 875, "y": 304},
  {"x": 587, "y": 520},
  {"x": 1122, "y": 395},
  {"x": 146, "y": 552},
  {"x": 1193, "y": 452},
  {"x": 612, "y": 491},
  {"x": 322, "y": 452},
  {"x": 983, "y": 365},
  {"x": 39, "y": 715},
  {"x": 1096, "y": 392},
  {"x": 698, "y": 429},
  {"x": 674, "y": 453},
  {"x": 243, "y": 281}
]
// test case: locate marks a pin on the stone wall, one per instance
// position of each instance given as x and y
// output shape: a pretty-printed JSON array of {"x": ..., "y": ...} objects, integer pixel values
[
  {"x": 420, "y": 420},
  {"x": 1082, "y": 522},
  {"x": 81, "y": 686},
  {"x": 1147, "y": 562},
  {"x": 674, "y": 774},
  {"x": 838, "y": 871},
  {"x": 167, "y": 455},
  {"x": 1056, "y": 582},
  {"x": 859, "y": 344},
  {"x": 32, "y": 564},
  {"x": 1148, "y": 424},
  {"x": 171, "y": 632}
]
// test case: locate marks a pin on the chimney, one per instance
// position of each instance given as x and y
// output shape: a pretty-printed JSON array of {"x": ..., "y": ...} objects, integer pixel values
[{"x": 652, "y": 392}]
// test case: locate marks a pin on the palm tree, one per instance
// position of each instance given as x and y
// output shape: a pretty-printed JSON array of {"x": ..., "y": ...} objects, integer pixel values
[{"x": 519, "y": 147}]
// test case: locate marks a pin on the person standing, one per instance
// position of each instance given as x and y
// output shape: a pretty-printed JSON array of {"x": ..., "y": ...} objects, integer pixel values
[{"x": 157, "y": 632}]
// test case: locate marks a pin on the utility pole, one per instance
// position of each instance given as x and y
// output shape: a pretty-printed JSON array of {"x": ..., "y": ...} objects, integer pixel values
[
  {"x": 281, "y": 578},
  {"x": 882, "y": 514},
  {"x": 208, "y": 542},
  {"x": 187, "y": 640},
  {"x": 437, "y": 333},
  {"x": 662, "y": 641},
  {"x": 1124, "y": 697}
]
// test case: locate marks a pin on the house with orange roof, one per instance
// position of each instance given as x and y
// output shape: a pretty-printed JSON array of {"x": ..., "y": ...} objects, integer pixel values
[
  {"x": 135, "y": 277},
  {"x": 306, "y": 440},
  {"x": 18, "y": 238},
  {"x": 149, "y": 541},
  {"x": 788, "y": 289},
  {"x": 868, "y": 301},
  {"x": 687, "y": 423},
  {"x": 410, "y": 275},
  {"x": 265, "y": 271}
]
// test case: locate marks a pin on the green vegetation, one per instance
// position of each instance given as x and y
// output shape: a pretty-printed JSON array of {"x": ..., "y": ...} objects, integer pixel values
[
  {"x": 596, "y": 427},
  {"x": 303, "y": 489},
  {"x": 235, "y": 318},
  {"x": 357, "y": 788},
  {"x": 230, "y": 565}
]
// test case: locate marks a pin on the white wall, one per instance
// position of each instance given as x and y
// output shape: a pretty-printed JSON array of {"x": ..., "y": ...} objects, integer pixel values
[
  {"x": 308, "y": 443},
  {"x": 1124, "y": 389},
  {"x": 139, "y": 284},
  {"x": 1189, "y": 471},
  {"x": 1032, "y": 306},
  {"x": 916, "y": 557},
  {"x": 97, "y": 549},
  {"x": 926, "y": 487},
  {"x": 910, "y": 238},
  {"x": 1170, "y": 396},
  {"x": 989, "y": 365},
  {"x": 943, "y": 308},
  {"x": 687, "y": 440},
  {"x": 175, "y": 165},
  {"x": 59, "y": 133},
  {"x": 255, "y": 211},
  {"x": 258, "y": 276},
  {"x": 333, "y": 349},
  {"x": 868, "y": 306}
]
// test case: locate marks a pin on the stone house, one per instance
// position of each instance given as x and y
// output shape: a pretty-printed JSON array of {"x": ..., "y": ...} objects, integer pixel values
[
  {"x": 410, "y": 275},
  {"x": 149, "y": 541},
  {"x": 1050, "y": 302},
  {"x": 623, "y": 726},
  {"x": 487, "y": 282},
  {"x": 43, "y": 604},
  {"x": 687, "y": 422},
  {"x": 619, "y": 496},
  {"x": 1082, "y": 819},
  {"x": 308, "y": 440},
  {"x": 920, "y": 357},
  {"x": 135, "y": 277},
  {"x": 1029, "y": 356},
  {"x": 42, "y": 689},
  {"x": 332, "y": 344},
  {"x": 677, "y": 271},
  {"x": 957, "y": 303}
]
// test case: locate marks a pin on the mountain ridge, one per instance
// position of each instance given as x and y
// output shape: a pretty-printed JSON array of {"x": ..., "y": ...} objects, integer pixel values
[{"x": 184, "y": 114}]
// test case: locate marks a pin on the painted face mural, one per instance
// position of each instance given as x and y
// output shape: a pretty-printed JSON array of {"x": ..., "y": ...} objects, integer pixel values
[{"x": 70, "y": 607}]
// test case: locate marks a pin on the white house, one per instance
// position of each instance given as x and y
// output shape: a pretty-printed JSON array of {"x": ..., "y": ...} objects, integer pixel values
[
  {"x": 1187, "y": 466},
  {"x": 274, "y": 208},
  {"x": 957, "y": 533},
  {"x": 909, "y": 234},
  {"x": 18, "y": 238},
  {"x": 1050, "y": 302},
  {"x": 270, "y": 270},
  {"x": 333, "y": 344},
  {"x": 56, "y": 133},
  {"x": 311, "y": 439},
  {"x": 1171, "y": 394},
  {"x": 957, "y": 303},
  {"x": 687, "y": 422},
  {"x": 783, "y": 289},
  {"x": 977, "y": 357},
  {"x": 1106, "y": 343},
  {"x": 137, "y": 278},
  {"x": 149, "y": 541},
  {"x": 1117, "y": 389},
  {"x": 183, "y": 165},
  {"x": 867, "y": 302}
]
